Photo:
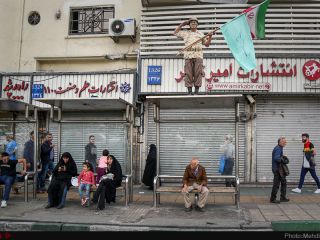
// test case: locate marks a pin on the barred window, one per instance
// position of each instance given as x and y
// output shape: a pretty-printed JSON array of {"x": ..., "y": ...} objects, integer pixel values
[{"x": 93, "y": 20}]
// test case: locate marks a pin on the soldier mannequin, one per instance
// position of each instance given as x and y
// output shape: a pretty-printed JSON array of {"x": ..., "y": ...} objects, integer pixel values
[{"x": 193, "y": 56}]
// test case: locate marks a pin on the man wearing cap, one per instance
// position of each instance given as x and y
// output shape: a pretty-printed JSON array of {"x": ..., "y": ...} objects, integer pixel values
[{"x": 194, "y": 55}]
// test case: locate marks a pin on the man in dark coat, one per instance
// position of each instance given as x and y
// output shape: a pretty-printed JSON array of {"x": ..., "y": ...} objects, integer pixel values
[
  {"x": 278, "y": 176},
  {"x": 106, "y": 191},
  {"x": 91, "y": 153},
  {"x": 150, "y": 169}
]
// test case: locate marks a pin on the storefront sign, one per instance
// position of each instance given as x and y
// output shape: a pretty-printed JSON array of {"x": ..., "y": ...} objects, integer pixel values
[
  {"x": 212, "y": 86},
  {"x": 154, "y": 75},
  {"x": 311, "y": 70},
  {"x": 16, "y": 89},
  {"x": 37, "y": 90}
]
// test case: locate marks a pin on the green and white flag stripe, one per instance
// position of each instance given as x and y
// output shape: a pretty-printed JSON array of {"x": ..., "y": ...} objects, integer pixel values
[{"x": 256, "y": 19}]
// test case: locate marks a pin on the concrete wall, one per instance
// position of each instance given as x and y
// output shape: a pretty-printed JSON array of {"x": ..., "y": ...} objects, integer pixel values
[{"x": 47, "y": 45}]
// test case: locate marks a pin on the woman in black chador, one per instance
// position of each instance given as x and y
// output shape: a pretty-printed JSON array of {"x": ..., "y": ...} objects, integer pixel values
[
  {"x": 61, "y": 181},
  {"x": 106, "y": 191},
  {"x": 150, "y": 170}
]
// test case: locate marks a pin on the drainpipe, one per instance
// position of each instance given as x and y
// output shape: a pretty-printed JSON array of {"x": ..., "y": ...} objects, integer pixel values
[{"x": 21, "y": 36}]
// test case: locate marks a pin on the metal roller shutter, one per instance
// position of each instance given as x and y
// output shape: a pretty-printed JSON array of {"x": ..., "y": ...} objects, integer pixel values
[
  {"x": 287, "y": 117},
  {"x": 180, "y": 141},
  {"x": 111, "y": 136}
]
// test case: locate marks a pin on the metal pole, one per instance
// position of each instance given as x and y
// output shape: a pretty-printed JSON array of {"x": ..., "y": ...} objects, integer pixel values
[
  {"x": 35, "y": 153},
  {"x": 131, "y": 153},
  {"x": 237, "y": 137},
  {"x": 158, "y": 149}
]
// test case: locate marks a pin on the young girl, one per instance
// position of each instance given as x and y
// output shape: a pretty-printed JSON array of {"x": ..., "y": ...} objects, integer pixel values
[
  {"x": 85, "y": 181},
  {"x": 101, "y": 169}
]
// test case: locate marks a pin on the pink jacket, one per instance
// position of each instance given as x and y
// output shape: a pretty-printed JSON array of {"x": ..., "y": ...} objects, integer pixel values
[
  {"x": 103, "y": 162},
  {"x": 86, "y": 177}
]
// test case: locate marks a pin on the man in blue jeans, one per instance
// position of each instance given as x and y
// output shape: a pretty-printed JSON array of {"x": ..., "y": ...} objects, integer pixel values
[
  {"x": 308, "y": 165},
  {"x": 8, "y": 174},
  {"x": 47, "y": 159}
]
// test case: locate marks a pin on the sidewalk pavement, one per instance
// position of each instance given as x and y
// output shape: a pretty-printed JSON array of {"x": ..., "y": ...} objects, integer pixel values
[{"x": 256, "y": 213}]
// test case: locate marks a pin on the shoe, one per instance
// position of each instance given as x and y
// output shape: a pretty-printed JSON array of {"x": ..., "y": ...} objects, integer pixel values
[
  {"x": 199, "y": 209},
  {"x": 60, "y": 206},
  {"x": 296, "y": 190},
  {"x": 317, "y": 191},
  {"x": 48, "y": 206},
  {"x": 274, "y": 201},
  {"x": 189, "y": 209},
  {"x": 284, "y": 199},
  {"x": 4, "y": 203},
  {"x": 83, "y": 201}
]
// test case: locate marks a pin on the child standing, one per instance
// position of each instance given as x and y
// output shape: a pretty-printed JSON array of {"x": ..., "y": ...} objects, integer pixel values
[
  {"x": 85, "y": 181},
  {"x": 101, "y": 169}
]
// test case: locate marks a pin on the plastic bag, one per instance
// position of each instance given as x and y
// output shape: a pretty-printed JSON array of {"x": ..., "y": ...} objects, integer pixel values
[{"x": 222, "y": 162}]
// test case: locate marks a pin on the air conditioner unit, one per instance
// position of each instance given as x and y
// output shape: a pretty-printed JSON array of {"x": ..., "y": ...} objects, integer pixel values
[{"x": 122, "y": 27}]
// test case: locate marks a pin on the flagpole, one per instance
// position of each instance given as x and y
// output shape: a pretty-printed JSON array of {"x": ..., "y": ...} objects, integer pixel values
[{"x": 191, "y": 44}]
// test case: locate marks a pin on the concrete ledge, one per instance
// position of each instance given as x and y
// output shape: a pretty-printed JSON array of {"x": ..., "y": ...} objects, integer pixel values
[
  {"x": 296, "y": 225},
  {"x": 75, "y": 227},
  {"x": 46, "y": 227},
  {"x": 15, "y": 226}
]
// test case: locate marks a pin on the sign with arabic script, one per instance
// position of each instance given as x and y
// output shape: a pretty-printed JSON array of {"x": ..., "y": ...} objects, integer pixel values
[
  {"x": 85, "y": 86},
  {"x": 154, "y": 75}
]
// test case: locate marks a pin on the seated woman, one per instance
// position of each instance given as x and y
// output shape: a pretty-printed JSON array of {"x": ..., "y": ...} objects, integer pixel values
[
  {"x": 61, "y": 181},
  {"x": 106, "y": 191}
]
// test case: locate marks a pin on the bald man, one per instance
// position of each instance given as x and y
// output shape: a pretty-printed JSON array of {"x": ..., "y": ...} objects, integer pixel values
[{"x": 195, "y": 177}]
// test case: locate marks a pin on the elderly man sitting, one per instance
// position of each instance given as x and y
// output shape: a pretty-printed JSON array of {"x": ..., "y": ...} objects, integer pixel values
[{"x": 195, "y": 177}]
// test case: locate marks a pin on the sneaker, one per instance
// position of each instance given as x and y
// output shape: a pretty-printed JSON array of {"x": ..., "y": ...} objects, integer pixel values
[
  {"x": 317, "y": 191},
  {"x": 83, "y": 201},
  {"x": 3, "y": 203},
  {"x": 296, "y": 190}
]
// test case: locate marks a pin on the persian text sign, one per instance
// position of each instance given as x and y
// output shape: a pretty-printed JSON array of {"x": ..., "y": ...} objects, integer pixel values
[
  {"x": 154, "y": 75},
  {"x": 213, "y": 86}
]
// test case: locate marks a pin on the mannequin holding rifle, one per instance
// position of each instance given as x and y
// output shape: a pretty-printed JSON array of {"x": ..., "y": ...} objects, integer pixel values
[{"x": 193, "y": 53}]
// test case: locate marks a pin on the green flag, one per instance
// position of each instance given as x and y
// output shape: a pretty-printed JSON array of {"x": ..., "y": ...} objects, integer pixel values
[{"x": 237, "y": 35}]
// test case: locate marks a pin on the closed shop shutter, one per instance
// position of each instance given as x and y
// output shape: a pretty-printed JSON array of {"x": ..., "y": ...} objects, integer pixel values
[
  {"x": 111, "y": 136},
  {"x": 75, "y": 136},
  {"x": 182, "y": 140},
  {"x": 289, "y": 117}
]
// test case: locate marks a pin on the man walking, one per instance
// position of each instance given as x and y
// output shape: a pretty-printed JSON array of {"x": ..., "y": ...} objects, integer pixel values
[
  {"x": 194, "y": 55},
  {"x": 308, "y": 164},
  {"x": 278, "y": 176},
  {"x": 195, "y": 177}
]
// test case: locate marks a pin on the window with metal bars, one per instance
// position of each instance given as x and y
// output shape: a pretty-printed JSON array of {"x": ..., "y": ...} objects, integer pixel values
[{"x": 90, "y": 20}]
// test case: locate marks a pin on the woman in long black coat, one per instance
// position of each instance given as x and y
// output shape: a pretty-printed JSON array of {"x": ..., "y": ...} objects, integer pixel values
[
  {"x": 61, "y": 181},
  {"x": 106, "y": 191},
  {"x": 150, "y": 170}
]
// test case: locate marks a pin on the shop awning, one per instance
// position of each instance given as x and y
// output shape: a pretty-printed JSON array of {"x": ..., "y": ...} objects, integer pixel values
[
  {"x": 195, "y": 101},
  {"x": 87, "y": 104},
  {"x": 13, "y": 105}
]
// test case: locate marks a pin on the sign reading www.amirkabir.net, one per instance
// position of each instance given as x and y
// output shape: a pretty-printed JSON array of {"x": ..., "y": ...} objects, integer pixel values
[{"x": 212, "y": 86}]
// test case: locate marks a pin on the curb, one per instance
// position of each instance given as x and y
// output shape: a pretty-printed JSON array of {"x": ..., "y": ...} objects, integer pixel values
[{"x": 296, "y": 225}]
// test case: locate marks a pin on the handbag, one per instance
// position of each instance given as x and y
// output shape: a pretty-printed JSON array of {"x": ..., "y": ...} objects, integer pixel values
[
  {"x": 222, "y": 162},
  {"x": 306, "y": 163}
]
